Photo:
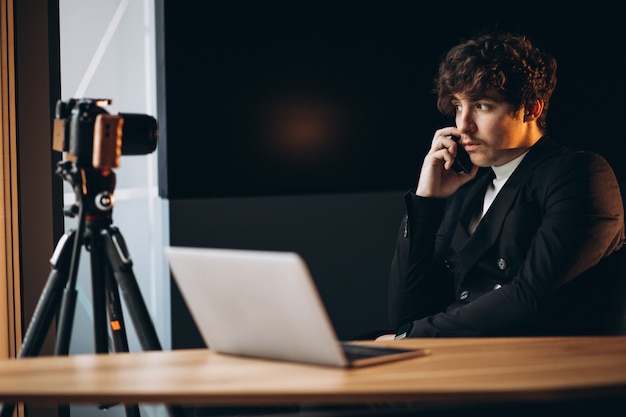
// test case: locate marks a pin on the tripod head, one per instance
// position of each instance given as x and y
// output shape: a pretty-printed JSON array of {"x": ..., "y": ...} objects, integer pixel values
[{"x": 93, "y": 189}]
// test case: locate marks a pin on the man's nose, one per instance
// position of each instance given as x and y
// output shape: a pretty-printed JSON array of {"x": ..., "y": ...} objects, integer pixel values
[{"x": 465, "y": 121}]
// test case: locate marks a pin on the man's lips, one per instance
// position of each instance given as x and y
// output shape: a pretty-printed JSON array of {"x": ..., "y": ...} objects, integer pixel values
[{"x": 470, "y": 146}]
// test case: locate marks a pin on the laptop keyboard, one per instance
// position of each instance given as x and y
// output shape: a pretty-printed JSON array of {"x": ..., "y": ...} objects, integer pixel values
[{"x": 355, "y": 351}]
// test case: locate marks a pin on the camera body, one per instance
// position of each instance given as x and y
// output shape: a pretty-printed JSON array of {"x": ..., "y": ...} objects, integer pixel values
[{"x": 93, "y": 138}]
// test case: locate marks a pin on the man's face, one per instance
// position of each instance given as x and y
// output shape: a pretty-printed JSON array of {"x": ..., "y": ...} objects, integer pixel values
[{"x": 492, "y": 132}]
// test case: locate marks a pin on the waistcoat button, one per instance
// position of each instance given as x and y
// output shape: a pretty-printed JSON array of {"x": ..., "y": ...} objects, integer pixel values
[{"x": 502, "y": 264}]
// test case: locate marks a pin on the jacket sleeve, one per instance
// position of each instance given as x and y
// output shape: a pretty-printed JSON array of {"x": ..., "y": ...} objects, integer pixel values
[{"x": 416, "y": 287}]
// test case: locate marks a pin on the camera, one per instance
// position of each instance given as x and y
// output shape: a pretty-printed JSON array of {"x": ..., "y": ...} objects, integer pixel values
[{"x": 93, "y": 138}]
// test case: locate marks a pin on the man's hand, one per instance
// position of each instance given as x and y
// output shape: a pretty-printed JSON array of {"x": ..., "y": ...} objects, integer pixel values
[{"x": 437, "y": 178}]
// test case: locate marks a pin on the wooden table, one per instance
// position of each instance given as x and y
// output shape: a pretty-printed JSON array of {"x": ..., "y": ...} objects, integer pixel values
[{"x": 457, "y": 371}]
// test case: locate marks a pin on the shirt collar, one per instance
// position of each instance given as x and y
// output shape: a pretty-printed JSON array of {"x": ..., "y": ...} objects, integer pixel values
[{"x": 504, "y": 171}]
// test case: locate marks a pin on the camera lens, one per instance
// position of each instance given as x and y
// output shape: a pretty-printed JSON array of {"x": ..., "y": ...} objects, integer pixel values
[{"x": 140, "y": 134}]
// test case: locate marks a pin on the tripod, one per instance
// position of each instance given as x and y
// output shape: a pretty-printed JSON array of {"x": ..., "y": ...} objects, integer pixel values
[{"x": 111, "y": 273}]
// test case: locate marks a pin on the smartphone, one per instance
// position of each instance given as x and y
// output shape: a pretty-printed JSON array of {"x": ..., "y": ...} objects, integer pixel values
[{"x": 462, "y": 162}]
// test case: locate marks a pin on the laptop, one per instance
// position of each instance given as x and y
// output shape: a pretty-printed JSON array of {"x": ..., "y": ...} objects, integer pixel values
[{"x": 264, "y": 304}]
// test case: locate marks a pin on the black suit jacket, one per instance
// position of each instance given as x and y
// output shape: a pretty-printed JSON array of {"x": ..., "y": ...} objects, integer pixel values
[{"x": 538, "y": 263}]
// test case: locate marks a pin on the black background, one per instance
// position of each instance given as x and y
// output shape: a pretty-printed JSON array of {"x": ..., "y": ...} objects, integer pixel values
[{"x": 376, "y": 59}]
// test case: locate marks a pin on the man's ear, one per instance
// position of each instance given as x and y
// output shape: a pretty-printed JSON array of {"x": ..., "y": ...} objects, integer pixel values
[{"x": 534, "y": 111}]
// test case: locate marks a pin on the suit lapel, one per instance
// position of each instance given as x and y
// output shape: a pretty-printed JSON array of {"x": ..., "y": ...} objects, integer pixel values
[
  {"x": 472, "y": 203},
  {"x": 471, "y": 248}
]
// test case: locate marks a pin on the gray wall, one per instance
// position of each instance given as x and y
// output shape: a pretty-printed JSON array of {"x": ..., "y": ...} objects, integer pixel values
[{"x": 346, "y": 239}]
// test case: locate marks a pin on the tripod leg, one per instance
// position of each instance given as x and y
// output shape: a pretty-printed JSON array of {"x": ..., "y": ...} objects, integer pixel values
[
  {"x": 100, "y": 272},
  {"x": 105, "y": 298},
  {"x": 116, "y": 316},
  {"x": 47, "y": 306},
  {"x": 118, "y": 329},
  {"x": 48, "y": 303},
  {"x": 117, "y": 326},
  {"x": 68, "y": 304},
  {"x": 123, "y": 272},
  {"x": 121, "y": 265}
]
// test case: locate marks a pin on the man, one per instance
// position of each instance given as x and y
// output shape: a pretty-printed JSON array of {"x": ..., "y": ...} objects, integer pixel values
[{"x": 524, "y": 252}]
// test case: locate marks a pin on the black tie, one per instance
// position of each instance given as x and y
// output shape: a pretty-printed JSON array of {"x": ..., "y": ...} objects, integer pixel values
[{"x": 477, "y": 206}]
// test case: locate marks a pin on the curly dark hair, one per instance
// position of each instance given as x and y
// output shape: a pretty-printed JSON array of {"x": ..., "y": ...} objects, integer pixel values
[{"x": 507, "y": 62}]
